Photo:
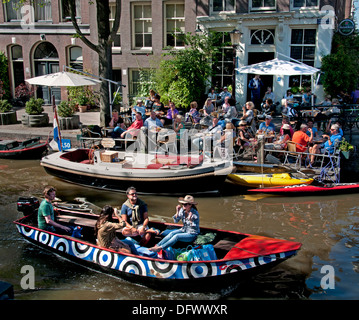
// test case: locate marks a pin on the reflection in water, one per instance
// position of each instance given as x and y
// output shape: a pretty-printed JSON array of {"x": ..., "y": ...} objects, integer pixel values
[{"x": 327, "y": 228}]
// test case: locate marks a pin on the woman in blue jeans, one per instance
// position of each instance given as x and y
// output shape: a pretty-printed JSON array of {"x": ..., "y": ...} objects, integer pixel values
[{"x": 187, "y": 212}]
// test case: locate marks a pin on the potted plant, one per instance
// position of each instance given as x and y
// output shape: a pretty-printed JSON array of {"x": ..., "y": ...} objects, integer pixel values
[
  {"x": 34, "y": 116},
  {"x": 345, "y": 147},
  {"x": 67, "y": 118},
  {"x": 7, "y": 115}
]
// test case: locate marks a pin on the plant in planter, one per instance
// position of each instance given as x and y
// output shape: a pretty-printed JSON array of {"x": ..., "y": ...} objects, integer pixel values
[
  {"x": 67, "y": 118},
  {"x": 7, "y": 115},
  {"x": 34, "y": 116},
  {"x": 345, "y": 147}
]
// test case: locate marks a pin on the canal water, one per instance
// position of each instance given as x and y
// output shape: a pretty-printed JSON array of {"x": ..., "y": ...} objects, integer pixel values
[{"x": 325, "y": 268}]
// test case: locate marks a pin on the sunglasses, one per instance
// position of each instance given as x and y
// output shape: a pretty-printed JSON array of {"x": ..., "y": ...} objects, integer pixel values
[
  {"x": 186, "y": 204},
  {"x": 132, "y": 194}
]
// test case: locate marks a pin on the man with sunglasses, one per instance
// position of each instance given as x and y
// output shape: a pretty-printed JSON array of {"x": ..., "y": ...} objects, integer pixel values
[{"x": 134, "y": 213}]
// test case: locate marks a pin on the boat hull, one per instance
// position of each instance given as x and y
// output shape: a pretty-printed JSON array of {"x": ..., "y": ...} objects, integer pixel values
[
  {"x": 266, "y": 180},
  {"x": 238, "y": 264},
  {"x": 34, "y": 152},
  {"x": 175, "y": 180},
  {"x": 301, "y": 190}
]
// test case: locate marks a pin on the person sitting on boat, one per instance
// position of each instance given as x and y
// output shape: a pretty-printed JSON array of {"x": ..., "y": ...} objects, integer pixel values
[
  {"x": 133, "y": 129},
  {"x": 46, "y": 216},
  {"x": 134, "y": 214},
  {"x": 153, "y": 122},
  {"x": 188, "y": 213},
  {"x": 105, "y": 231}
]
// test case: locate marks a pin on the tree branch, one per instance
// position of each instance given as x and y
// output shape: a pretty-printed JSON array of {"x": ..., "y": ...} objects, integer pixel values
[{"x": 72, "y": 8}]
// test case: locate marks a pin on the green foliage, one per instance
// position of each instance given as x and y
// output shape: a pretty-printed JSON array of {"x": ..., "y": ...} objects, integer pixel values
[
  {"x": 4, "y": 77},
  {"x": 66, "y": 108},
  {"x": 341, "y": 67},
  {"x": 345, "y": 146},
  {"x": 5, "y": 106},
  {"x": 34, "y": 106},
  {"x": 184, "y": 77},
  {"x": 83, "y": 95}
]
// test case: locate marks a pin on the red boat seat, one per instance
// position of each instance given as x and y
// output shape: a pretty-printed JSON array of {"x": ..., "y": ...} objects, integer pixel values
[{"x": 254, "y": 246}]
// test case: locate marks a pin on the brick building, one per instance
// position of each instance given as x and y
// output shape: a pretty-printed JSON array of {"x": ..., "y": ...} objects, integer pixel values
[{"x": 293, "y": 28}]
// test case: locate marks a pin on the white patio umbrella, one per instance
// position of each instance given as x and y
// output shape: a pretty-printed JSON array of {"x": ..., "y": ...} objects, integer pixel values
[
  {"x": 63, "y": 79},
  {"x": 278, "y": 67}
]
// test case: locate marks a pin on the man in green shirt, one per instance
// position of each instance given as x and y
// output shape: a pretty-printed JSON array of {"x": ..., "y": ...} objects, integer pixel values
[{"x": 45, "y": 216}]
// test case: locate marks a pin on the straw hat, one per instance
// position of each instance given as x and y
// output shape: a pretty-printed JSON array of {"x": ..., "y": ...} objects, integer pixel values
[
  {"x": 286, "y": 126},
  {"x": 187, "y": 199}
]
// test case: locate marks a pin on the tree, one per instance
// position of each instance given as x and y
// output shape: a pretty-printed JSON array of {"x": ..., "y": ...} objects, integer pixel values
[
  {"x": 185, "y": 76},
  {"x": 340, "y": 68},
  {"x": 103, "y": 48}
]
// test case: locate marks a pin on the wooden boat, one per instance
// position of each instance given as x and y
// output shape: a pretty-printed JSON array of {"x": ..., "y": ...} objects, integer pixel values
[
  {"x": 28, "y": 149},
  {"x": 239, "y": 255},
  {"x": 266, "y": 180},
  {"x": 118, "y": 170},
  {"x": 304, "y": 189}
]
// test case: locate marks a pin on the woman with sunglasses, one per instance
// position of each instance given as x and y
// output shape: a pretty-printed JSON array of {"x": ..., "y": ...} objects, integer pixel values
[{"x": 188, "y": 213}]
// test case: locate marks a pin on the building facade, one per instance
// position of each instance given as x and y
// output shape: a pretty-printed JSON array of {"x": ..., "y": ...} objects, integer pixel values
[{"x": 38, "y": 38}]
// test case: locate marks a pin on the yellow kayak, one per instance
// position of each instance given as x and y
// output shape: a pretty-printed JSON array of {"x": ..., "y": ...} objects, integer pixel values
[{"x": 266, "y": 180}]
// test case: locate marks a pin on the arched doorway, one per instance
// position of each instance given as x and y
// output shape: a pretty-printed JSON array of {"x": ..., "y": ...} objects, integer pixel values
[{"x": 46, "y": 61}]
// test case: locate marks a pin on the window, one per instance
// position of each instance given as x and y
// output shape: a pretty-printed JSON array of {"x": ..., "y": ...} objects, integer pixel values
[
  {"x": 223, "y": 5},
  {"x": 223, "y": 68},
  {"x": 262, "y": 37},
  {"x": 42, "y": 10},
  {"x": 302, "y": 48},
  {"x": 17, "y": 65},
  {"x": 12, "y": 11},
  {"x": 263, "y": 5},
  {"x": 140, "y": 82},
  {"x": 76, "y": 59},
  {"x": 65, "y": 11},
  {"x": 117, "y": 40},
  {"x": 142, "y": 26},
  {"x": 174, "y": 24},
  {"x": 304, "y": 3}
]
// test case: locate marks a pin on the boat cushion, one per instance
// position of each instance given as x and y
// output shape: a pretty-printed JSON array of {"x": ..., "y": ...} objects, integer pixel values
[{"x": 254, "y": 246}]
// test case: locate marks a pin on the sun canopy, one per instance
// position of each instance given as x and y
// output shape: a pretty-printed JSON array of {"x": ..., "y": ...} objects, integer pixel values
[
  {"x": 63, "y": 79},
  {"x": 279, "y": 67}
]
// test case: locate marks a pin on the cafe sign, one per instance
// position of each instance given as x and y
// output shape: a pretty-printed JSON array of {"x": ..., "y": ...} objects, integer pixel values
[{"x": 346, "y": 27}]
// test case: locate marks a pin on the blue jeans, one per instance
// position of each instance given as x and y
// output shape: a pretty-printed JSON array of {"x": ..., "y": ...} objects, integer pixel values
[
  {"x": 131, "y": 245},
  {"x": 174, "y": 236},
  {"x": 117, "y": 131}
]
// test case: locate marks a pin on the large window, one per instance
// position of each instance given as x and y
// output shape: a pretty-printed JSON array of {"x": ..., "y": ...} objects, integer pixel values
[
  {"x": 223, "y": 5},
  {"x": 263, "y": 4},
  {"x": 140, "y": 82},
  {"x": 117, "y": 41},
  {"x": 42, "y": 9},
  {"x": 303, "y": 43},
  {"x": 174, "y": 24},
  {"x": 17, "y": 65},
  {"x": 75, "y": 58},
  {"x": 142, "y": 26},
  {"x": 304, "y": 3},
  {"x": 262, "y": 36},
  {"x": 65, "y": 11},
  {"x": 223, "y": 68},
  {"x": 12, "y": 11}
]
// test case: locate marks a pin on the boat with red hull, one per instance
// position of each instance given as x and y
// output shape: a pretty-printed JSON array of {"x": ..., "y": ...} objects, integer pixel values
[
  {"x": 238, "y": 255},
  {"x": 28, "y": 149},
  {"x": 300, "y": 190}
]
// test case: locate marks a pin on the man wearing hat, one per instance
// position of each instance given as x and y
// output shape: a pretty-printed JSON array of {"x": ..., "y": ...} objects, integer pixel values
[
  {"x": 222, "y": 95},
  {"x": 267, "y": 126},
  {"x": 187, "y": 212}
]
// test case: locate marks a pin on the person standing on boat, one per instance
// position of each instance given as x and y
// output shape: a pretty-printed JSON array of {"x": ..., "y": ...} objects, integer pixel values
[
  {"x": 134, "y": 214},
  {"x": 105, "y": 231},
  {"x": 188, "y": 213},
  {"x": 46, "y": 216}
]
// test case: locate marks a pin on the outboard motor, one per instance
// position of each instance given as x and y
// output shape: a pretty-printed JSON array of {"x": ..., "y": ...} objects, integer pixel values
[{"x": 27, "y": 205}]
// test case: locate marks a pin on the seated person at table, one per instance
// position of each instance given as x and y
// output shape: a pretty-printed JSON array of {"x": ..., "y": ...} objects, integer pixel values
[
  {"x": 268, "y": 108},
  {"x": 301, "y": 138},
  {"x": 138, "y": 108},
  {"x": 284, "y": 122},
  {"x": 310, "y": 124},
  {"x": 134, "y": 214},
  {"x": 116, "y": 120},
  {"x": 105, "y": 231},
  {"x": 178, "y": 125},
  {"x": 158, "y": 106},
  {"x": 171, "y": 114},
  {"x": 188, "y": 213},
  {"x": 244, "y": 135},
  {"x": 133, "y": 129},
  {"x": 329, "y": 145},
  {"x": 152, "y": 122},
  {"x": 281, "y": 142},
  {"x": 267, "y": 126},
  {"x": 193, "y": 113},
  {"x": 208, "y": 107},
  {"x": 248, "y": 113},
  {"x": 210, "y": 133}
]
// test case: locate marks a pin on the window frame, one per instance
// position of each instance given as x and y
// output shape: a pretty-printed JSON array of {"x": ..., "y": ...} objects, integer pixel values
[
  {"x": 262, "y": 8},
  {"x": 292, "y": 7},
  {"x": 133, "y": 25},
  {"x": 212, "y": 11},
  {"x": 118, "y": 33},
  {"x": 165, "y": 32}
]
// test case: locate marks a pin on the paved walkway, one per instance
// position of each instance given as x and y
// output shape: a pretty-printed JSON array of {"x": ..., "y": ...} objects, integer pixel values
[{"x": 21, "y": 132}]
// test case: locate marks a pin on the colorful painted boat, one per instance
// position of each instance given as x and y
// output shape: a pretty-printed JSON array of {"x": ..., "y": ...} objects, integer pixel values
[
  {"x": 152, "y": 174},
  {"x": 266, "y": 180},
  {"x": 300, "y": 190},
  {"x": 239, "y": 255},
  {"x": 28, "y": 149}
]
